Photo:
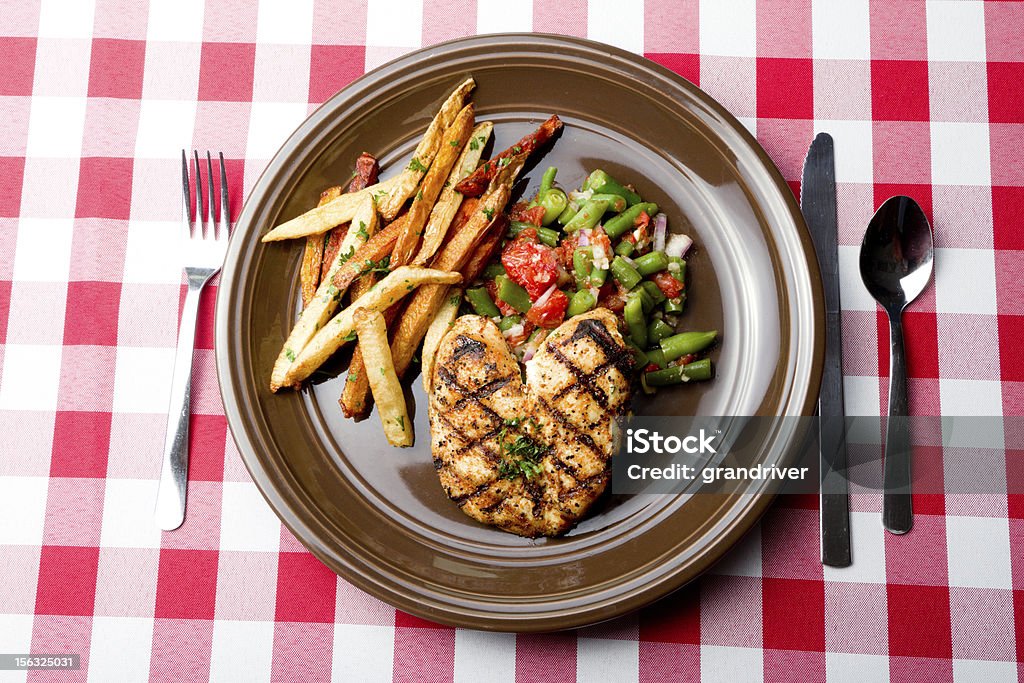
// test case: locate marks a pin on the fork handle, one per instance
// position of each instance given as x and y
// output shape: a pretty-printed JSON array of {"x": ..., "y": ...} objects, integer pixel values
[{"x": 170, "y": 496}]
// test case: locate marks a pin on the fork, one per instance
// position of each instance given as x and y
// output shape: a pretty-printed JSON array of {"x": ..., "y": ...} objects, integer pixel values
[{"x": 203, "y": 252}]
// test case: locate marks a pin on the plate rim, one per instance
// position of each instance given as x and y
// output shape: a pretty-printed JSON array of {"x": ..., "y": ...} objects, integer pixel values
[{"x": 747, "y": 516}]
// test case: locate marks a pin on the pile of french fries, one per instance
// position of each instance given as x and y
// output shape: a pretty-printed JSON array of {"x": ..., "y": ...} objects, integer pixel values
[{"x": 422, "y": 236}]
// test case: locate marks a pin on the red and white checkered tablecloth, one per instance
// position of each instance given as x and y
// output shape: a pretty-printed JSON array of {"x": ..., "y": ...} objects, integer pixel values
[{"x": 97, "y": 97}]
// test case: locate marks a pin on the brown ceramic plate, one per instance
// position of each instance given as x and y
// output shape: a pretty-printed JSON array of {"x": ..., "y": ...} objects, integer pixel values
[{"x": 377, "y": 515}]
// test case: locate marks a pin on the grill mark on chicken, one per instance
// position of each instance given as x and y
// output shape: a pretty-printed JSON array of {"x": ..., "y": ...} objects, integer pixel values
[{"x": 574, "y": 467}]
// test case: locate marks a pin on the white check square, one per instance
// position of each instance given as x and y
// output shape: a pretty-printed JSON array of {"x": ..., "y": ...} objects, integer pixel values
[
  {"x": 972, "y": 397},
  {"x": 31, "y": 378},
  {"x": 978, "y": 552},
  {"x": 853, "y": 294},
  {"x": 728, "y": 28},
  {"x": 956, "y": 30},
  {"x": 153, "y": 252},
  {"x": 730, "y": 664},
  {"x": 960, "y": 153},
  {"x": 627, "y": 31},
  {"x": 400, "y": 23},
  {"x": 16, "y": 635},
  {"x": 165, "y": 128},
  {"x": 247, "y": 521},
  {"x": 603, "y": 659},
  {"x": 43, "y": 251},
  {"x": 868, "y": 548},
  {"x": 965, "y": 281},
  {"x": 270, "y": 124},
  {"x": 971, "y": 671},
  {"x": 485, "y": 656},
  {"x": 178, "y": 21},
  {"x": 744, "y": 559},
  {"x": 120, "y": 648},
  {"x": 241, "y": 651},
  {"x": 142, "y": 380},
  {"x": 841, "y": 667},
  {"x": 855, "y": 161},
  {"x": 128, "y": 514},
  {"x": 55, "y": 127},
  {"x": 285, "y": 22},
  {"x": 861, "y": 396},
  {"x": 364, "y": 653},
  {"x": 66, "y": 18},
  {"x": 22, "y": 510},
  {"x": 841, "y": 30}
]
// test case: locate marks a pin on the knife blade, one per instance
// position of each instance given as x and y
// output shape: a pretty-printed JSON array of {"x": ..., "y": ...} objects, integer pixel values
[{"x": 818, "y": 203}]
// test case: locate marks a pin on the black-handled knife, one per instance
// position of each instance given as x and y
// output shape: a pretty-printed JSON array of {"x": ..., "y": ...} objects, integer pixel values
[{"x": 818, "y": 203}]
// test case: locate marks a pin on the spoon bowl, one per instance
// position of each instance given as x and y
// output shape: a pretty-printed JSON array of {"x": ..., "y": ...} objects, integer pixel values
[{"x": 896, "y": 259}]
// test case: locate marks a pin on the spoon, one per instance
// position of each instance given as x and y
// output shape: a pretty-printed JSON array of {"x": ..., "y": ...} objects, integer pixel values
[{"x": 895, "y": 265}]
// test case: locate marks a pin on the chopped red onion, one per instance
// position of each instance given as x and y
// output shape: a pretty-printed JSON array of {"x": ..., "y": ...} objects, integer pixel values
[
  {"x": 678, "y": 245},
  {"x": 545, "y": 296},
  {"x": 584, "y": 239},
  {"x": 660, "y": 226}
]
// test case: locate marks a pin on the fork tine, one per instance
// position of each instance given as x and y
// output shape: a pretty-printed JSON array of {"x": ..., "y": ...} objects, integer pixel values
[
  {"x": 200, "y": 224},
  {"x": 209, "y": 198},
  {"x": 225, "y": 210},
  {"x": 186, "y": 195}
]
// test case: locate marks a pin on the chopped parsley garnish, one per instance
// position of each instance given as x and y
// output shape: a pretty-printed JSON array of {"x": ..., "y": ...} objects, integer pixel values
[
  {"x": 517, "y": 149},
  {"x": 416, "y": 165},
  {"x": 473, "y": 144},
  {"x": 351, "y": 336},
  {"x": 522, "y": 455},
  {"x": 454, "y": 143},
  {"x": 345, "y": 257},
  {"x": 419, "y": 196},
  {"x": 289, "y": 354},
  {"x": 376, "y": 266},
  {"x": 361, "y": 232},
  {"x": 352, "y": 376},
  {"x": 401, "y": 421},
  {"x": 503, "y": 162},
  {"x": 382, "y": 371},
  {"x": 489, "y": 213}
]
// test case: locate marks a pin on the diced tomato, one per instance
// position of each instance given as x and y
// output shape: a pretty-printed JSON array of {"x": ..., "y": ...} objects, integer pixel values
[
  {"x": 566, "y": 248},
  {"x": 551, "y": 313},
  {"x": 523, "y": 213},
  {"x": 599, "y": 238},
  {"x": 668, "y": 285},
  {"x": 651, "y": 367},
  {"x": 518, "y": 339},
  {"x": 492, "y": 289},
  {"x": 532, "y": 266},
  {"x": 642, "y": 220},
  {"x": 611, "y": 297}
]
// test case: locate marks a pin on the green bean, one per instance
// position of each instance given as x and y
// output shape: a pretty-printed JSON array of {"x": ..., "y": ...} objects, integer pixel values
[
  {"x": 625, "y": 273},
  {"x": 625, "y": 248},
  {"x": 571, "y": 209},
  {"x": 512, "y": 294},
  {"x": 658, "y": 330},
  {"x": 657, "y": 357},
  {"x": 640, "y": 358},
  {"x": 645, "y": 298},
  {"x": 581, "y": 302},
  {"x": 634, "y": 315},
  {"x": 616, "y": 204},
  {"x": 554, "y": 202},
  {"x": 675, "y": 306},
  {"x": 677, "y": 374},
  {"x": 588, "y": 216},
  {"x": 653, "y": 291},
  {"x": 598, "y": 276},
  {"x": 545, "y": 235},
  {"x": 651, "y": 263},
  {"x": 482, "y": 302},
  {"x": 547, "y": 181},
  {"x": 616, "y": 227},
  {"x": 599, "y": 181},
  {"x": 493, "y": 270},
  {"x": 699, "y": 369},
  {"x": 582, "y": 265},
  {"x": 686, "y": 343},
  {"x": 508, "y": 322},
  {"x": 680, "y": 272}
]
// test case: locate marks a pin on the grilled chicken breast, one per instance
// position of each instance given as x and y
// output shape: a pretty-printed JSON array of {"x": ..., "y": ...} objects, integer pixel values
[{"x": 528, "y": 458}]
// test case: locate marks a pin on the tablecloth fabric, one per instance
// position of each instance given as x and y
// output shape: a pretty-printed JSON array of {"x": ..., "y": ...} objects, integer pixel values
[{"x": 98, "y": 97}]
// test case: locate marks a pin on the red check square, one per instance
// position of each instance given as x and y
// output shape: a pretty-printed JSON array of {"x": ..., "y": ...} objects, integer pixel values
[
  {"x": 785, "y": 88},
  {"x": 81, "y": 441},
  {"x": 332, "y": 67},
  {"x": 305, "y": 589},
  {"x": 19, "y": 65},
  {"x": 675, "y": 619},
  {"x": 1007, "y": 218},
  {"x": 12, "y": 174},
  {"x": 186, "y": 586},
  {"x": 794, "y": 614},
  {"x": 919, "y": 621},
  {"x": 104, "y": 188},
  {"x": 67, "y": 580},
  {"x": 207, "y": 435},
  {"x": 406, "y": 620},
  {"x": 5, "y": 308},
  {"x": 226, "y": 71},
  {"x": 686, "y": 65},
  {"x": 1011, "y": 351},
  {"x": 899, "y": 90},
  {"x": 115, "y": 69},
  {"x": 91, "y": 314},
  {"x": 1006, "y": 92}
]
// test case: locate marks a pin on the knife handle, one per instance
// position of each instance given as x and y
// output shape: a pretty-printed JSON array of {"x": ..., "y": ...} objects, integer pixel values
[{"x": 897, "y": 505}]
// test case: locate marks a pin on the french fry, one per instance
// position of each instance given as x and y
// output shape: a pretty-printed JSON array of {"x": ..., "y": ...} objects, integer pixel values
[
  {"x": 443, "y": 319},
  {"x": 355, "y": 400},
  {"x": 448, "y": 203},
  {"x": 387, "y": 392},
  {"x": 425, "y": 152},
  {"x": 333, "y": 213},
  {"x": 477, "y": 182},
  {"x": 365, "y": 175},
  {"x": 313, "y": 255},
  {"x": 321, "y": 306},
  {"x": 489, "y": 243},
  {"x": 338, "y": 331},
  {"x": 412, "y": 325},
  {"x": 455, "y": 138}
]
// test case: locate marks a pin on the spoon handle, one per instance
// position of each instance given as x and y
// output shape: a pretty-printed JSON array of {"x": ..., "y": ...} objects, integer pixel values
[{"x": 897, "y": 509}]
